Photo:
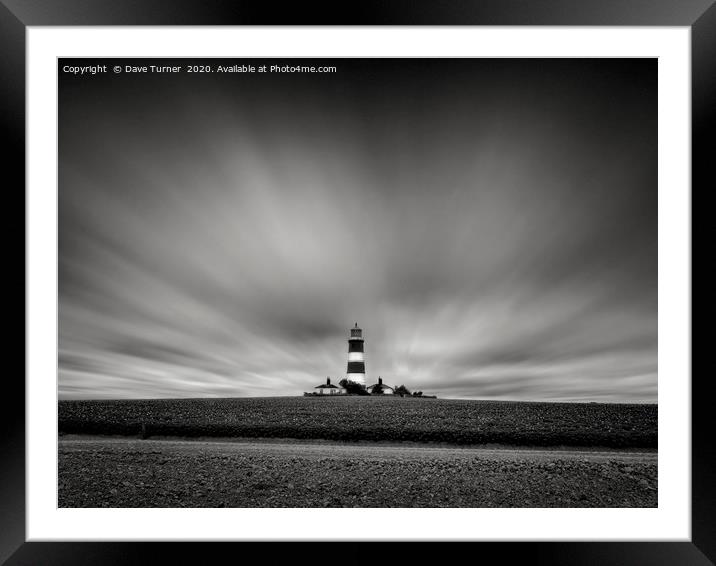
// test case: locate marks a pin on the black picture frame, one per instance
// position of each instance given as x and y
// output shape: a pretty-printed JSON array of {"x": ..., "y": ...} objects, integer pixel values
[{"x": 17, "y": 15}]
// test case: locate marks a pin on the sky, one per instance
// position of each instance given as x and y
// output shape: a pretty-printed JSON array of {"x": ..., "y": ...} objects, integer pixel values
[{"x": 491, "y": 224}]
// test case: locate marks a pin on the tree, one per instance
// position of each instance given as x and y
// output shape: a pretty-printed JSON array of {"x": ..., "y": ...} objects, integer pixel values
[
  {"x": 353, "y": 388},
  {"x": 402, "y": 390}
]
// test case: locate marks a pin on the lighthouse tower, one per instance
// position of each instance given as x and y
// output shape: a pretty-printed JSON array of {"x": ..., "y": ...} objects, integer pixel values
[{"x": 356, "y": 361}]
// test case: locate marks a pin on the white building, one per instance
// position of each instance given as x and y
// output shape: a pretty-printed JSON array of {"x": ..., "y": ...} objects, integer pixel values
[
  {"x": 328, "y": 388},
  {"x": 380, "y": 388}
]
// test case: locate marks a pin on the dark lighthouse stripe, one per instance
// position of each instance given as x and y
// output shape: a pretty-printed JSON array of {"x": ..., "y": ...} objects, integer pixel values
[{"x": 356, "y": 367}]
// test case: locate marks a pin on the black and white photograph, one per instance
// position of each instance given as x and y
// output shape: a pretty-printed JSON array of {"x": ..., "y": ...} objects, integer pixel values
[{"x": 357, "y": 283}]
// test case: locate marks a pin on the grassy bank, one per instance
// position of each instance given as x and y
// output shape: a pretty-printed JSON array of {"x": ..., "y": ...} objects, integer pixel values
[{"x": 374, "y": 419}]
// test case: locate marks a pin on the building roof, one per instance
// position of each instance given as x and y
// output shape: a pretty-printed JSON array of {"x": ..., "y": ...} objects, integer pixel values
[
  {"x": 381, "y": 386},
  {"x": 325, "y": 386}
]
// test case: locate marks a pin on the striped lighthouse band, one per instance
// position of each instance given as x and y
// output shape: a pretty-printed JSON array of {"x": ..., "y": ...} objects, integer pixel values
[
  {"x": 356, "y": 378},
  {"x": 356, "y": 367},
  {"x": 356, "y": 359}
]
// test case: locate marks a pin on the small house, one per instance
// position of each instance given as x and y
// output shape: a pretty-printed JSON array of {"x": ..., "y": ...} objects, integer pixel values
[
  {"x": 328, "y": 388},
  {"x": 380, "y": 388}
]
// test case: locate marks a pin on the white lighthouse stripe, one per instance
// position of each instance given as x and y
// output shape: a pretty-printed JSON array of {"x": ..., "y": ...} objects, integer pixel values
[
  {"x": 355, "y": 357},
  {"x": 357, "y": 377}
]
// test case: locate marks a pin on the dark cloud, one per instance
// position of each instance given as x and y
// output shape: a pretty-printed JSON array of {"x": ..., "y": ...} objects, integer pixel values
[{"x": 490, "y": 223}]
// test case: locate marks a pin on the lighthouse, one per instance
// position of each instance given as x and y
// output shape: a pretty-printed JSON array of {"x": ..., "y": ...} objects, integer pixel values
[{"x": 356, "y": 360}]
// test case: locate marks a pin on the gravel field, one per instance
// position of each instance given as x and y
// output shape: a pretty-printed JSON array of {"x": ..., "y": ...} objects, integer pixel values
[
  {"x": 463, "y": 422},
  {"x": 115, "y": 472}
]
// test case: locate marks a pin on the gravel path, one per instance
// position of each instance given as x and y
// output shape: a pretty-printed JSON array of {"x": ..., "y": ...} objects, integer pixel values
[{"x": 121, "y": 472}]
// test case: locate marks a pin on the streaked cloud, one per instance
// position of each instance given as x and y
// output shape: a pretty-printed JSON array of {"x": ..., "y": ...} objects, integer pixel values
[{"x": 491, "y": 225}]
